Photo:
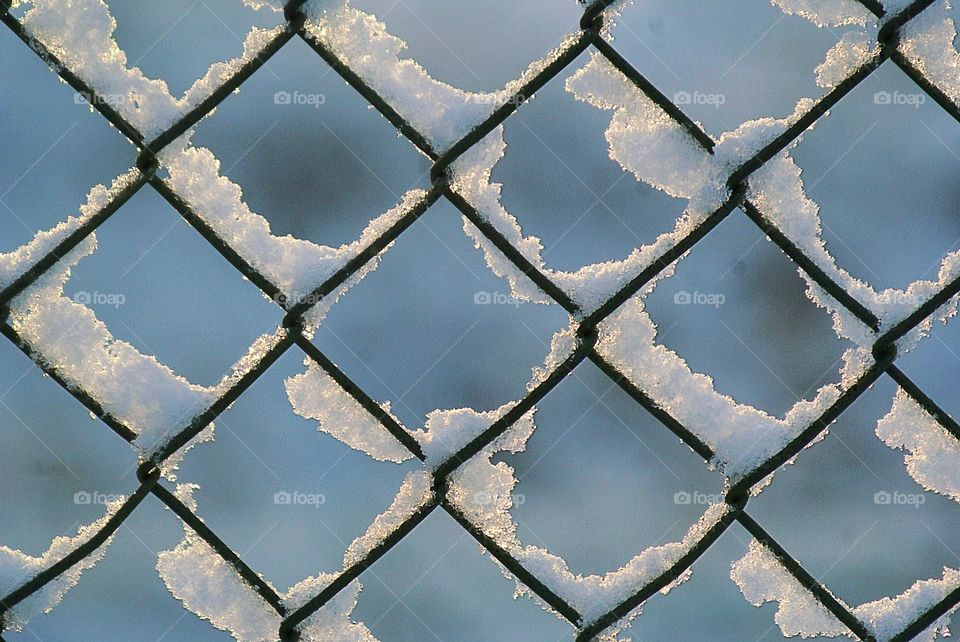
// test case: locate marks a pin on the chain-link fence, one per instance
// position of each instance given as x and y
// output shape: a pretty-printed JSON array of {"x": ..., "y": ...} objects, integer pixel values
[{"x": 292, "y": 331}]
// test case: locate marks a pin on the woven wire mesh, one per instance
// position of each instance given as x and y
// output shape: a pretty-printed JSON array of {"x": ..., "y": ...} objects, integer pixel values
[{"x": 292, "y": 334}]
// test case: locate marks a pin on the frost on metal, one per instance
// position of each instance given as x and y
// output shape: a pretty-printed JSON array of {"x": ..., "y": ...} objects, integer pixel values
[
  {"x": 827, "y": 13},
  {"x": 646, "y": 142},
  {"x": 315, "y": 395},
  {"x": 762, "y": 579},
  {"x": 928, "y": 43},
  {"x": 932, "y": 454},
  {"x": 414, "y": 493},
  {"x": 483, "y": 491},
  {"x": 66, "y": 336},
  {"x": 80, "y": 34},
  {"x": 741, "y": 436},
  {"x": 16, "y": 568},
  {"x": 295, "y": 265},
  {"x": 777, "y": 189},
  {"x": 144, "y": 394},
  {"x": 657, "y": 150},
  {"x": 14, "y": 264},
  {"x": 155, "y": 402},
  {"x": 209, "y": 586},
  {"x": 852, "y": 51}
]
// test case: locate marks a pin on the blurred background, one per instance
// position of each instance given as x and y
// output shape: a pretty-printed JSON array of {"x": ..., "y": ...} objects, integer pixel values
[{"x": 600, "y": 479}]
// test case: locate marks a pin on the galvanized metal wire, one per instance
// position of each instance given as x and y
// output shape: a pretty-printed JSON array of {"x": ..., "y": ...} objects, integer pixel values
[{"x": 291, "y": 333}]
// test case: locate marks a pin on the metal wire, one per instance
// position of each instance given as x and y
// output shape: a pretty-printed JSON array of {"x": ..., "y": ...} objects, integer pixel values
[{"x": 290, "y": 333}]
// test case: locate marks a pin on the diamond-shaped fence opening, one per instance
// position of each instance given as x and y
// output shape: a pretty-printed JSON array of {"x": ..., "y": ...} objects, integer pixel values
[
  {"x": 70, "y": 140},
  {"x": 459, "y": 43},
  {"x": 884, "y": 511},
  {"x": 563, "y": 187},
  {"x": 640, "y": 485},
  {"x": 458, "y": 459},
  {"x": 146, "y": 246},
  {"x": 177, "y": 41},
  {"x": 739, "y": 313},
  {"x": 886, "y": 127},
  {"x": 745, "y": 76},
  {"x": 476, "y": 328},
  {"x": 298, "y": 128}
]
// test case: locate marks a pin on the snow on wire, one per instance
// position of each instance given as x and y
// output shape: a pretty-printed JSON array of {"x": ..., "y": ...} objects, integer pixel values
[{"x": 749, "y": 169}]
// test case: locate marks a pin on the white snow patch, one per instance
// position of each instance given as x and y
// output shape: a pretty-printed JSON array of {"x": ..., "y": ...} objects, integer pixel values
[
  {"x": 482, "y": 491},
  {"x": 332, "y": 621},
  {"x": 145, "y": 395},
  {"x": 442, "y": 112},
  {"x": 294, "y": 265},
  {"x": 315, "y": 395},
  {"x": 15, "y": 263},
  {"x": 928, "y": 42},
  {"x": 415, "y": 492},
  {"x": 853, "y": 50},
  {"x": 762, "y": 578},
  {"x": 80, "y": 34},
  {"x": 933, "y": 454},
  {"x": 645, "y": 141},
  {"x": 777, "y": 190},
  {"x": 210, "y": 587},
  {"x": 16, "y": 568},
  {"x": 741, "y": 436},
  {"x": 827, "y": 13},
  {"x": 447, "y": 431}
]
